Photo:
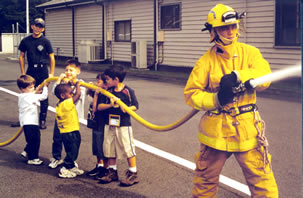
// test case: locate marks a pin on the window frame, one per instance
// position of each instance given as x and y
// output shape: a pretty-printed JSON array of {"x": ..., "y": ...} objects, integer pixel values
[
  {"x": 116, "y": 25},
  {"x": 180, "y": 17},
  {"x": 279, "y": 16}
]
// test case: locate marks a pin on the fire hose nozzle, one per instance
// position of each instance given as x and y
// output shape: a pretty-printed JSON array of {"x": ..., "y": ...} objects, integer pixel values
[
  {"x": 243, "y": 86},
  {"x": 240, "y": 88}
]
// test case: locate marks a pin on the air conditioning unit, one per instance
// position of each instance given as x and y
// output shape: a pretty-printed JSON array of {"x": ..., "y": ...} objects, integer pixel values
[
  {"x": 88, "y": 51},
  {"x": 138, "y": 54}
]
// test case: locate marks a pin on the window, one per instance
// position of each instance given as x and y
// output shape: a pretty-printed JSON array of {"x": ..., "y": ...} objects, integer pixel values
[
  {"x": 288, "y": 24},
  {"x": 170, "y": 17},
  {"x": 123, "y": 31}
]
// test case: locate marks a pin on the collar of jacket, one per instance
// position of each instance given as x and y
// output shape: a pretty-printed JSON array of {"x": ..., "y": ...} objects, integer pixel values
[{"x": 226, "y": 51}]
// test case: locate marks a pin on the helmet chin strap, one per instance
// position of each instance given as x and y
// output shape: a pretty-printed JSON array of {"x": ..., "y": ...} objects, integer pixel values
[{"x": 226, "y": 41}]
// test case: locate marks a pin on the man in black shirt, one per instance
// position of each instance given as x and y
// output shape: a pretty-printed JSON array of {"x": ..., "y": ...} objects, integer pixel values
[{"x": 39, "y": 54}]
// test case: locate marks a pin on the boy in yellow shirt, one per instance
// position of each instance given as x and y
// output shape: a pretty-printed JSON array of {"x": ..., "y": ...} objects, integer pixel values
[
  {"x": 72, "y": 70},
  {"x": 68, "y": 124}
]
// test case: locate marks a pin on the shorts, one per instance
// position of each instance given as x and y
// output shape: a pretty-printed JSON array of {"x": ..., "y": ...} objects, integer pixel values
[
  {"x": 97, "y": 145},
  {"x": 118, "y": 142}
]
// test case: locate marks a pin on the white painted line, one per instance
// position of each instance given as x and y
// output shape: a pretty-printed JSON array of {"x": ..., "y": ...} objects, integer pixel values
[
  {"x": 183, "y": 162},
  {"x": 9, "y": 91}
]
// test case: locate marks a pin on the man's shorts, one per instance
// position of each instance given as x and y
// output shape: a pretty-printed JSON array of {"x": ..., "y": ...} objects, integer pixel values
[
  {"x": 118, "y": 142},
  {"x": 97, "y": 146}
]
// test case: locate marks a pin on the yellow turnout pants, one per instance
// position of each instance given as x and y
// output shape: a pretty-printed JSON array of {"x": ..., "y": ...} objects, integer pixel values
[{"x": 209, "y": 163}]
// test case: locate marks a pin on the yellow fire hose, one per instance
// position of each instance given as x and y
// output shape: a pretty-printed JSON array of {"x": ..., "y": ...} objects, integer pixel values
[{"x": 120, "y": 103}]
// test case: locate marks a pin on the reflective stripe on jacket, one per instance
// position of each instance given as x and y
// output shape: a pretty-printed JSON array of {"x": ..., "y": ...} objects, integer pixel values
[{"x": 220, "y": 131}]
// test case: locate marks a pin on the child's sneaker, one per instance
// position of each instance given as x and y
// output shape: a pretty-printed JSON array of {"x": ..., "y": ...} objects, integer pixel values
[
  {"x": 95, "y": 171},
  {"x": 102, "y": 172},
  {"x": 24, "y": 154},
  {"x": 77, "y": 171},
  {"x": 54, "y": 163},
  {"x": 131, "y": 179},
  {"x": 65, "y": 173},
  {"x": 111, "y": 175},
  {"x": 36, "y": 162}
]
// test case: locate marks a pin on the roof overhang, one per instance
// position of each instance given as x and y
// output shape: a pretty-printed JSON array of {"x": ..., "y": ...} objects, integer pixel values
[{"x": 67, "y": 3}]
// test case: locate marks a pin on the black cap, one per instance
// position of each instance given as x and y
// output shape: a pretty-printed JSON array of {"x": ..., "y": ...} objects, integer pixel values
[{"x": 39, "y": 22}]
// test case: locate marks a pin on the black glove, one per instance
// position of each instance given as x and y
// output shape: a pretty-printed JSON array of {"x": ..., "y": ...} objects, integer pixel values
[
  {"x": 248, "y": 85},
  {"x": 229, "y": 80},
  {"x": 225, "y": 94}
]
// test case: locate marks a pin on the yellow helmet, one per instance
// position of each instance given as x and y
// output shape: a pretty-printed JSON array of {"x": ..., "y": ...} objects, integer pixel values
[{"x": 221, "y": 15}]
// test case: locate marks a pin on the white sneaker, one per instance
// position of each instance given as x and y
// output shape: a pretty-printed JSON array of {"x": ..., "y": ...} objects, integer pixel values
[
  {"x": 54, "y": 163},
  {"x": 77, "y": 171},
  {"x": 35, "y": 161},
  {"x": 24, "y": 154},
  {"x": 65, "y": 173}
]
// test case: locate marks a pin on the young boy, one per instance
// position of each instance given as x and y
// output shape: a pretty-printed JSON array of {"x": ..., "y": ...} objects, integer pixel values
[
  {"x": 68, "y": 124},
  {"x": 118, "y": 134},
  {"x": 98, "y": 131},
  {"x": 28, "y": 102},
  {"x": 72, "y": 70}
]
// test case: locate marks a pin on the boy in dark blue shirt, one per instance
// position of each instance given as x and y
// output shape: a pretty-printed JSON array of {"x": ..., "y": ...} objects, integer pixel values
[{"x": 118, "y": 134}]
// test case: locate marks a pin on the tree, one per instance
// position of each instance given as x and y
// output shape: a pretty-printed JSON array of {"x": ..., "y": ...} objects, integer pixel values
[{"x": 13, "y": 11}]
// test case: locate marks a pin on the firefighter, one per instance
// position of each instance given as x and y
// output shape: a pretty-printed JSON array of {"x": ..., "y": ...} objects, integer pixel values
[{"x": 231, "y": 124}]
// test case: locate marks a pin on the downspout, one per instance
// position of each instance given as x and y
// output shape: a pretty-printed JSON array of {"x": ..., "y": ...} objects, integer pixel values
[
  {"x": 155, "y": 34},
  {"x": 73, "y": 32},
  {"x": 103, "y": 30}
]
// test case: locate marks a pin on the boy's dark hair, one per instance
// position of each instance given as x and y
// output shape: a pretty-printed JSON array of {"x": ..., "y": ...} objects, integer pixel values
[
  {"x": 116, "y": 71},
  {"x": 24, "y": 81},
  {"x": 61, "y": 89},
  {"x": 73, "y": 62},
  {"x": 101, "y": 76}
]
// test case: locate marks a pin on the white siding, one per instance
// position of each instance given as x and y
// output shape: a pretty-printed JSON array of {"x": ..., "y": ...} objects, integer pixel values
[
  {"x": 261, "y": 33},
  {"x": 142, "y": 26},
  {"x": 183, "y": 47},
  {"x": 58, "y": 30},
  {"x": 88, "y": 24}
]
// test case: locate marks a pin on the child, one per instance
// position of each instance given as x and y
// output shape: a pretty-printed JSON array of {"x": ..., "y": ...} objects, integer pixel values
[
  {"x": 72, "y": 70},
  {"x": 98, "y": 131},
  {"x": 28, "y": 102},
  {"x": 118, "y": 135},
  {"x": 68, "y": 124}
]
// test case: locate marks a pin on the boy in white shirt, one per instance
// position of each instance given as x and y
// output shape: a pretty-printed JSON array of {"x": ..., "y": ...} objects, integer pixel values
[{"x": 28, "y": 102}]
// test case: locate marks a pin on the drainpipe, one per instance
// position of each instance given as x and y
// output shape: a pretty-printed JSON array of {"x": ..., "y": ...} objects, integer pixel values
[
  {"x": 73, "y": 31},
  {"x": 103, "y": 31},
  {"x": 103, "y": 28},
  {"x": 155, "y": 34}
]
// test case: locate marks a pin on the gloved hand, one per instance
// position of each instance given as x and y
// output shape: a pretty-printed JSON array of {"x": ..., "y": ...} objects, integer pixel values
[
  {"x": 247, "y": 84},
  {"x": 225, "y": 95},
  {"x": 227, "y": 82}
]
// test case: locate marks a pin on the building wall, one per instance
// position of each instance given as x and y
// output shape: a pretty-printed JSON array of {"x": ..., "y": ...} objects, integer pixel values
[
  {"x": 260, "y": 29},
  {"x": 184, "y": 47},
  {"x": 88, "y": 26},
  {"x": 181, "y": 48},
  {"x": 58, "y": 30},
  {"x": 7, "y": 43},
  {"x": 141, "y": 15}
]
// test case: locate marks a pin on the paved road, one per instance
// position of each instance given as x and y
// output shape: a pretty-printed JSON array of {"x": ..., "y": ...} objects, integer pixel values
[{"x": 160, "y": 103}]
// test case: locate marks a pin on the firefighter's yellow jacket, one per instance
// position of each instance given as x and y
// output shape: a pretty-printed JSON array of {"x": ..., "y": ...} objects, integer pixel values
[{"x": 224, "y": 132}]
